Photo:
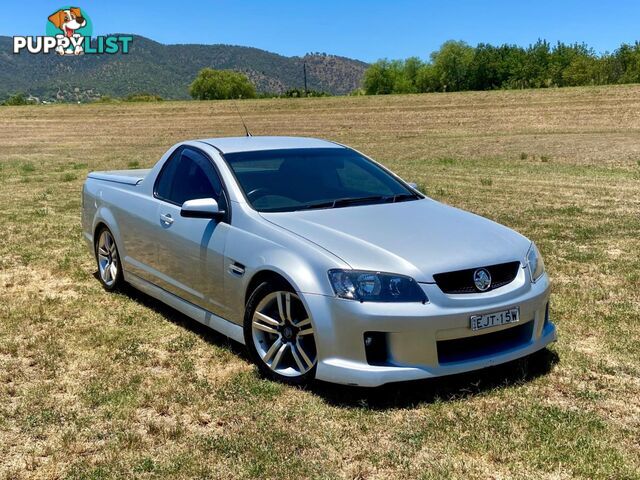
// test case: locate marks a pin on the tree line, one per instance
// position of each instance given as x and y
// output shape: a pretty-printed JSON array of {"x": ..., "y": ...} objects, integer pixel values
[{"x": 457, "y": 66}]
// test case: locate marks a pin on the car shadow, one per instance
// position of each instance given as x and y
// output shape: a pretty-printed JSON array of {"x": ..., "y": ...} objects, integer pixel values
[
  {"x": 207, "y": 334},
  {"x": 387, "y": 397},
  {"x": 449, "y": 388}
]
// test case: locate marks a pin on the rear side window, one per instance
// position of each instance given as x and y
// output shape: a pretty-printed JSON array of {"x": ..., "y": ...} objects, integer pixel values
[
  {"x": 163, "y": 183},
  {"x": 188, "y": 175}
]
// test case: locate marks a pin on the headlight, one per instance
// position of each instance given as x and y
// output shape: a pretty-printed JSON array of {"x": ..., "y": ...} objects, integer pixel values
[
  {"x": 535, "y": 262},
  {"x": 375, "y": 286}
]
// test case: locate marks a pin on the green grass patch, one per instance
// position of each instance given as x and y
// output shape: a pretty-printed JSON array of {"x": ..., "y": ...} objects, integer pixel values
[
  {"x": 27, "y": 167},
  {"x": 486, "y": 182}
]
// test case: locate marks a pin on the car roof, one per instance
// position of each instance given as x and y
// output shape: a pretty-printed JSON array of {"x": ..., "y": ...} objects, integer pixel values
[{"x": 258, "y": 143}]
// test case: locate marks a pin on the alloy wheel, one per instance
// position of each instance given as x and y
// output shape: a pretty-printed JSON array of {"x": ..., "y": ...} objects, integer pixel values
[
  {"x": 107, "y": 258},
  {"x": 283, "y": 334}
]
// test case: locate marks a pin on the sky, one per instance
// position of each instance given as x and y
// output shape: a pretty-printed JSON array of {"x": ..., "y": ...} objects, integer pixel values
[{"x": 364, "y": 29}]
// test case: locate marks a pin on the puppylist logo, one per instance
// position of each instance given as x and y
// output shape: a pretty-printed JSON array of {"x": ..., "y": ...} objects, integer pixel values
[{"x": 69, "y": 32}]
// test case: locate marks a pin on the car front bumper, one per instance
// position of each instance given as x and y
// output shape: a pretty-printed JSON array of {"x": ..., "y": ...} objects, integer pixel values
[{"x": 427, "y": 340}]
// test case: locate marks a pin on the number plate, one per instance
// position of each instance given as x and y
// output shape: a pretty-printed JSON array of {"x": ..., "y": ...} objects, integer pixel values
[{"x": 480, "y": 322}]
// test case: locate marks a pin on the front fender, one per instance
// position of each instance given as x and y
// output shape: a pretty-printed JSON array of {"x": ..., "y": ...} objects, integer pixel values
[
  {"x": 304, "y": 276},
  {"x": 301, "y": 263}
]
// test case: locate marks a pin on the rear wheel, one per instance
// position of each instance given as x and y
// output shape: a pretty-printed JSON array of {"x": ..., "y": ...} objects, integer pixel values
[
  {"x": 279, "y": 334},
  {"x": 108, "y": 258}
]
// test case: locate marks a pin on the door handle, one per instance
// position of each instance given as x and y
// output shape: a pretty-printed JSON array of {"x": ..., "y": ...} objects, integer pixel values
[{"x": 166, "y": 218}]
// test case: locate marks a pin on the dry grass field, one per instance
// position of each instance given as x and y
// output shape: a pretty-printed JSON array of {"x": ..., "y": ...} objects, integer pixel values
[{"x": 97, "y": 385}]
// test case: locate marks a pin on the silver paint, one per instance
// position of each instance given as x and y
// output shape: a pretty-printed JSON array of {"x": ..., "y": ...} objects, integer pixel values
[{"x": 203, "y": 267}]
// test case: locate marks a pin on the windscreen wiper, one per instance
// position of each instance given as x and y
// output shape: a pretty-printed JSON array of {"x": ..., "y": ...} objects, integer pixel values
[
  {"x": 400, "y": 197},
  {"x": 341, "y": 202}
]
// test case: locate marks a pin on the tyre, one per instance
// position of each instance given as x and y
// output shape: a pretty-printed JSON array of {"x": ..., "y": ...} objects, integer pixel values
[
  {"x": 279, "y": 334},
  {"x": 108, "y": 259}
]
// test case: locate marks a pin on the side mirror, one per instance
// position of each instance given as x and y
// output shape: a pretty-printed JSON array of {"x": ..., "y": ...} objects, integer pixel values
[
  {"x": 414, "y": 186},
  {"x": 201, "y": 208}
]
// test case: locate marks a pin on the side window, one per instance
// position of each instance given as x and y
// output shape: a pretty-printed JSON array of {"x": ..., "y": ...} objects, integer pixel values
[
  {"x": 187, "y": 176},
  {"x": 163, "y": 183}
]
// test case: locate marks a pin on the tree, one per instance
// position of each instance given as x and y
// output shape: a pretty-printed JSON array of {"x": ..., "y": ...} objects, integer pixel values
[
  {"x": 427, "y": 79},
  {"x": 536, "y": 66},
  {"x": 565, "y": 57},
  {"x": 17, "y": 99},
  {"x": 213, "y": 84},
  {"x": 379, "y": 78},
  {"x": 452, "y": 64},
  {"x": 406, "y": 81},
  {"x": 581, "y": 71},
  {"x": 628, "y": 57}
]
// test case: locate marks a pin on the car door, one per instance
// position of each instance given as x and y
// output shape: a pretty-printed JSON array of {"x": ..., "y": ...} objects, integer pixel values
[{"x": 190, "y": 251}]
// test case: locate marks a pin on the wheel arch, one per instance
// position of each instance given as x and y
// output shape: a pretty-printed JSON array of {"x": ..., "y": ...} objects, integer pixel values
[
  {"x": 265, "y": 275},
  {"x": 104, "y": 218},
  {"x": 97, "y": 229}
]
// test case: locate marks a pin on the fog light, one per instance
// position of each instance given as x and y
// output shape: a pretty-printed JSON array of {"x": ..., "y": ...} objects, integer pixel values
[{"x": 375, "y": 347}]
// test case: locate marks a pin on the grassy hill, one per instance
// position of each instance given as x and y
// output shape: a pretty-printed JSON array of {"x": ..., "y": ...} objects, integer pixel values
[{"x": 167, "y": 70}]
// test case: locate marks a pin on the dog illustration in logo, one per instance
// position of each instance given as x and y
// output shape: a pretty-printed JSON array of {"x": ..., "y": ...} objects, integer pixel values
[{"x": 69, "y": 20}]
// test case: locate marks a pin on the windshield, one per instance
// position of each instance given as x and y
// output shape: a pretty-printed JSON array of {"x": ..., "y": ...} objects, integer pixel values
[{"x": 308, "y": 178}]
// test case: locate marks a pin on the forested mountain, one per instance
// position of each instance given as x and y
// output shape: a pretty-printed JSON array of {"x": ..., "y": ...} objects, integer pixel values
[{"x": 166, "y": 70}]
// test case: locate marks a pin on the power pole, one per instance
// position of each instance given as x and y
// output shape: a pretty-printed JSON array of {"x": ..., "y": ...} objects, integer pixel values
[{"x": 304, "y": 69}]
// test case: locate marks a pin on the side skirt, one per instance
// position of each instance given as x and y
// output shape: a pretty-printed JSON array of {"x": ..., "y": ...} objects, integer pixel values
[{"x": 201, "y": 315}]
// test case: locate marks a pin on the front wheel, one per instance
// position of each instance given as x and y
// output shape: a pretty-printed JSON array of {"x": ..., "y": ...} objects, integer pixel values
[
  {"x": 279, "y": 335},
  {"x": 108, "y": 258}
]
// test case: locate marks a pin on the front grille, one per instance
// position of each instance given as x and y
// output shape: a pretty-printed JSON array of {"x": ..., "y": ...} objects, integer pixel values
[
  {"x": 461, "y": 281},
  {"x": 478, "y": 346}
]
